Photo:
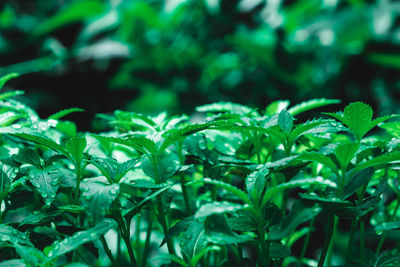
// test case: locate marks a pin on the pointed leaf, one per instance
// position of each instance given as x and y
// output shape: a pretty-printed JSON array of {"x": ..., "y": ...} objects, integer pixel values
[
  {"x": 161, "y": 166},
  {"x": 345, "y": 153},
  {"x": 320, "y": 158},
  {"x": 28, "y": 156},
  {"x": 311, "y": 104},
  {"x": 320, "y": 181},
  {"x": 237, "y": 192},
  {"x": 297, "y": 216},
  {"x": 217, "y": 208},
  {"x": 360, "y": 179},
  {"x": 4, "y": 96},
  {"x": 64, "y": 112},
  {"x": 133, "y": 211},
  {"x": 97, "y": 199},
  {"x": 76, "y": 146},
  {"x": 379, "y": 160},
  {"x": 285, "y": 121},
  {"x": 217, "y": 231},
  {"x": 46, "y": 181},
  {"x": 225, "y": 107},
  {"x": 35, "y": 137},
  {"x": 71, "y": 243},
  {"x": 31, "y": 256},
  {"x": 6, "y": 78},
  {"x": 279, "y": 251},
  {"x": 13, "y": 236}
]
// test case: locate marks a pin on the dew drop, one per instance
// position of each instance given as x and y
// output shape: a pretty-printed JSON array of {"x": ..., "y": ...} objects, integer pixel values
[{"x": 202, "y": 145}]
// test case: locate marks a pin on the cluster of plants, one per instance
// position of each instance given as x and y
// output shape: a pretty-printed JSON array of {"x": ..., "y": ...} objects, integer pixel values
[
  {"x": 174, "y": 55},
  {"x": 234, "y": 186}
]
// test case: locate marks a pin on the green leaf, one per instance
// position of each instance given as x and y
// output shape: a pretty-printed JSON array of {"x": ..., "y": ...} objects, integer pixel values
[
  {"x": 139, "y": 141},
  {"x": 237, "y": 192},
  {"x": 345, "y": 153},
  {"x": 389, "y": 258},
  {"x": 217, "y": 208},
  {"x": 7, "y": 95},
  {"x": 387, "y": 226},
  {"x": 97, "y": 199},
  {"x": 193, "y": 239},
  {"x": 71, "y": 243},
  {"x": 35, "y": 137},
  {"x": 331, "y": 202},
  {"x": 320, "y": 158},
  {"x": 64, "y": 112},
  {"x": 297, "y": 216},
  {"x": 255, "y": 183},
  {"x": 28, "y": 156},
  {"x": 13, "y": 236},
  {"x": 360, "y": 179},
  {"x": 112, "y": 169},
  {"x": 279, "y": 251},
  {"x": 40, "y": 217},
  {"x": 73, "y": 13},
  {"x": 379, "y": 160},
  {"x": 311, "y": 104},
  {"x": 178, "y": 228},
  {"x": 276, "y": 107},
  {"x": 46, "y": 181},
  {"x": 13, "y": 263},
  {"x": 161, "y": 166},
  {"x": 6, "y": 78},
  {"x": 226, "y": 107},
  {"x": 242, "y": 221},
  {"x": 133, "y": 211},
  {"x": 358, "y": 117},
  {"x": 285, "y": 121},
  {"x": 165, "y": 259},
  {"x": 76, "y": 146},
  {"x": 320, "y": 181},
  {"x": 31, "y": 256},
  {"x": 8, "y": 172},
  {"x": 217, "y": 231}
]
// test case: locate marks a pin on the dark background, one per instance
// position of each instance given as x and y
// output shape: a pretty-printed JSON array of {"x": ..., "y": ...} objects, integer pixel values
[{"x": 154, "y": 56}]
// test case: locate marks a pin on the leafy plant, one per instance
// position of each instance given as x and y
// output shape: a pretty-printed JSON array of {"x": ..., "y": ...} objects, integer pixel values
[{"x": 241, "y": 188}]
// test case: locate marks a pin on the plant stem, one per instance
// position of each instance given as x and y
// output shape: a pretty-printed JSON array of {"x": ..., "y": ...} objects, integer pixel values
[
  {"x": 107, "y": 250},
  {"x": 362, "y": 239},
  {"x": 78, "y": 183},
  {"x": 148, "y": 237},
  {"x": 164, "y": 225},
  {"x": 263, "y": 257},
  {"x": 353, "y": 229},
  {"x": 183, "y": 181},
  {"x": 330, "y": 248},
  {"x": 125, "y": 234},
  {"x": 305, "y": 244},
  {"x": 327, "y": 240}
]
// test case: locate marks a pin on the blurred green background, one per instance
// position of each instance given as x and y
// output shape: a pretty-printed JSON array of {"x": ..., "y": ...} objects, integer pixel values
[{"x": 172, "y": 55}]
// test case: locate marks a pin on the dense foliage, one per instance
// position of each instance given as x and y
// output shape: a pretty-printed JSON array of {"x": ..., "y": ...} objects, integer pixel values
[
  {"x": 234, "y": 186},
  {"x": 172, "y": 55}
]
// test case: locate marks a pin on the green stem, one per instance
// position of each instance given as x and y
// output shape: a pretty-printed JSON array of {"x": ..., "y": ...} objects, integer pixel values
[
  {"x": 327, "y": 240},
  {"x": 125, "y": 234},
  {"x": 148, "y": 237},
  {"x": 107, "y": 250},
  {"x": 305, "y": 244},
  {"x": 164, "y": 225},
  {"x": 183, "y": 182},
  {"x": 263, "y": 257},
  {"x": 330, "y": 248},
  {"x": 362, "y": 240},
  {"x": 350, "y": 243},
  {"x": 78, "y": 183}
]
